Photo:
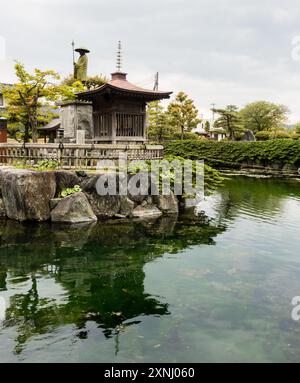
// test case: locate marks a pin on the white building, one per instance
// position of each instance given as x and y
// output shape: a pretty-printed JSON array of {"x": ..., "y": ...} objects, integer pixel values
[
  {"x": 2, "y": 100},
  {"x": 217, "y": 134}
]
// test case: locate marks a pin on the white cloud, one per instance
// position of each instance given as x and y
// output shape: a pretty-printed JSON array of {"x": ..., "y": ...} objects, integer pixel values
[{"x": 217, "y": 51}]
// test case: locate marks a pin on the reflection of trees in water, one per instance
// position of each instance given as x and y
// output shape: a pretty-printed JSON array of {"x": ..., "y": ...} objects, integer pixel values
[
  {"x": 100, "y": 266},
  {"x": 255, "y": 197}
]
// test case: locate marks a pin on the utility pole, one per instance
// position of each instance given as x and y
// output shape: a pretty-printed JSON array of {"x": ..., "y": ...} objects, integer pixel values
[
  {"x": 156, "y": 81},
  {"x": 213, "y": 112},
  {"x": 73, "y": 49}
]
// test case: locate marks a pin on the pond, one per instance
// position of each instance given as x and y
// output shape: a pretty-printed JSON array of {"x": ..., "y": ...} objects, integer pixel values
[{"x": 212, "y": 288}]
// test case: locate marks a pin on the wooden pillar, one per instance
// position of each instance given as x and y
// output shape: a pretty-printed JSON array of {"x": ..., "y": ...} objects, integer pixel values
[
  {"x": 114, "y": 127},
  {"x": 145, "y": 126}
]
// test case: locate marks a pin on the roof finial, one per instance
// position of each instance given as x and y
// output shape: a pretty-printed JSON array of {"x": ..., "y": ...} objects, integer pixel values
[{"x": 119, "y": 57}]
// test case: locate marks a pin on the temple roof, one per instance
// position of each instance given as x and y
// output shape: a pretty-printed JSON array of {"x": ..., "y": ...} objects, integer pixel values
[
  {"x": 52, "y": 125},
  {"x": 119, "y": 84}
]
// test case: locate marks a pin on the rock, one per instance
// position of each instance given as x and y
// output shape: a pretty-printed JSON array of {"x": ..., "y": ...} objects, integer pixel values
[
  {"x": 120, "y": 216},
  {"x": 146, "y": 212},
  {"x": 289, "y": 168},
  {"x": 126, "y": 206},
  {"x": 89, "y": 184},
  {"x": 104, "y": 206},
  {"x": 27, "y": 194},
  {"x": 168, "y": 204},
  {"x": 73, "y": 209},
  {"x": 54, "y": 202},
  {"x": 2, "y": 209},
  {"x": 65, "y": 180},
  {"x": 138, "y": 187},
  {"x": 138, "y": 199},
  {"x": 3, "y": 171},
  {"x": 81, "y": 173},
  {"x": 248, "y": 136},
  {"x": 149, "y": 200}
]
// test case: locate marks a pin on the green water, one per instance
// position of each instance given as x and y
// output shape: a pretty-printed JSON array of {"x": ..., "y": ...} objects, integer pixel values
[{"x": 186, "y": 290}]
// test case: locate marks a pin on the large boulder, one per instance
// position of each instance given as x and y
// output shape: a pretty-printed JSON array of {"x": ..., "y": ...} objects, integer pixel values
[
  {"x": 2, "y": 209},
  {"x": 126, "y": 206},
  {"x": 3, "y": 171},
  {"x": 168, "y": 204},
  {"x": 73, "y": 209},
  {"x": 147, "y": 211},
  {"x": 27, "y": 194},
  {"x": 104, "y": 206}
]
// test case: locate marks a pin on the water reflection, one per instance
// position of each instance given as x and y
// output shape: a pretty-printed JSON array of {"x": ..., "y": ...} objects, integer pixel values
[
  {"x": 54, "y": 276},
  {"x": 261, "y": 199},
  {"x": 179, "y": 289}
]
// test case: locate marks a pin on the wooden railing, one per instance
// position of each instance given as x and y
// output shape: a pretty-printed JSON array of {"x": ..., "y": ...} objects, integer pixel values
[{"x": 75, "y": 156}]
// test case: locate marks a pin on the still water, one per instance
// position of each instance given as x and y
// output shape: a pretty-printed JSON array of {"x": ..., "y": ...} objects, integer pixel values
[{"x": 216, "y": 288}]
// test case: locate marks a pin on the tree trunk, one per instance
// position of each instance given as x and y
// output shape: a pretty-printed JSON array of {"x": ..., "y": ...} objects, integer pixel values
[
  {"x": 34, "y": 132},
  {"x": 26, "y": 134}
]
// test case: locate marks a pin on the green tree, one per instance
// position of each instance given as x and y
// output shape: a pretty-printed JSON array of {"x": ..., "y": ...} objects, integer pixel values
[
  {"x": 183, "y": 114},
  {"x": 31, "y": 99},
  {"x": 229, "y": 119},
  {"x": 159, "y": 127},
  {"x": 207, "y": 126},
  {"x": 297, "y": 128},
  {"x": 263, "y": 115},
  {"x": 91, "y": 83}
]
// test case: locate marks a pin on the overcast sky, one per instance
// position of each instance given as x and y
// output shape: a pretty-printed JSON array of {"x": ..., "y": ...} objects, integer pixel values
[{"x": 217, "y": 51}]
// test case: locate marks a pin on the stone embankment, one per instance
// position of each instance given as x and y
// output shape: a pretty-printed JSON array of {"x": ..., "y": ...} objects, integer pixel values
[{"x": 27, "y": 195}]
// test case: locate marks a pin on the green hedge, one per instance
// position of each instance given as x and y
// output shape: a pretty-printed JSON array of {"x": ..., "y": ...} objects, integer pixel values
[{"x": 234, "y": 154}]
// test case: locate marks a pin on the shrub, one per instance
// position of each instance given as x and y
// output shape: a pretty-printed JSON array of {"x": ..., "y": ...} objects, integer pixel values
[
  {"x": 70, "y": 191},
  {"x": 212, "y": 179},
  {"x": 281, "y": 135},
  {"x": 295, "y": 136},
  {"x": 263, "y": 135},
  {"x": 48, "y": 164},
  {"x": 234, "y": 154}
]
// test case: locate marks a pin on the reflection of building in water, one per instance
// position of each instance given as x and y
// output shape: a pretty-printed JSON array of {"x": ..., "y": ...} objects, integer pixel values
[{"x": 100, "y": 268}]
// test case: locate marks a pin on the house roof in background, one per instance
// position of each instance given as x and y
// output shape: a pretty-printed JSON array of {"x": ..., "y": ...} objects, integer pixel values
[{"x": 52, "y": 125}]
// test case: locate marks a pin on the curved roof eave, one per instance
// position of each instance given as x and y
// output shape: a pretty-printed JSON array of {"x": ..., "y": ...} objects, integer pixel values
[{"x": 128, "y": 88}]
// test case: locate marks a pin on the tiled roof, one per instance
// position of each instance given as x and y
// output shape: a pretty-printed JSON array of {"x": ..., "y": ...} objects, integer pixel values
[{"x": 120, "y": 83}]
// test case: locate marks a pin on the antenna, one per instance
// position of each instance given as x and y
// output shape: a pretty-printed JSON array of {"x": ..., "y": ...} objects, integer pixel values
[
  {"x": 156, "y": 81},
  {"x": 119, "y": 57}
]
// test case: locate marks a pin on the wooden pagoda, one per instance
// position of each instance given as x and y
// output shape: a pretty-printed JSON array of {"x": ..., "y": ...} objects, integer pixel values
[{"x": 119, "y": 110}]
